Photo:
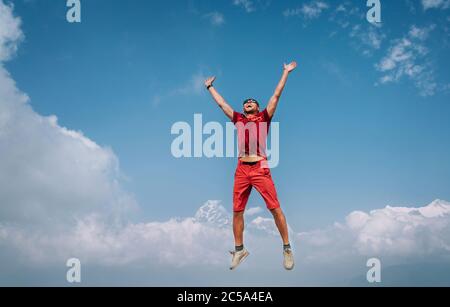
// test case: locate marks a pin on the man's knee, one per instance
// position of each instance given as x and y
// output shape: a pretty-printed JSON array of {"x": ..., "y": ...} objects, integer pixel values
[
  {"x": 238, "y": 214},
  {"x": 277, "y": 212}
]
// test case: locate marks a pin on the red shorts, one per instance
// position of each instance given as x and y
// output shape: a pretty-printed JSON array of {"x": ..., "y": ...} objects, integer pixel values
[{"x": 258, "y": 176}]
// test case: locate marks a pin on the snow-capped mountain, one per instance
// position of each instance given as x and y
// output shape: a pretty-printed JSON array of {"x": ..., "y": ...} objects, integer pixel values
[
  {"x": 437, "y": 208},
  {"x": 266, "y": 225},
  {"x": 212, "y": 212}
]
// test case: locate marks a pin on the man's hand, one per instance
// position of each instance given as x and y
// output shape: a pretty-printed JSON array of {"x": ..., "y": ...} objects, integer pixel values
[
  {"x": 273, "y": 103},
  {"x": 219, "y": 99},
  {"x": 290, "y": 67},
  {"x": 209, "y": 82}
]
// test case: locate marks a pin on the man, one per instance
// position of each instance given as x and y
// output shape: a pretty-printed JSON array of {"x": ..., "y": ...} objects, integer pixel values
[{"x": 252, "y": 169}]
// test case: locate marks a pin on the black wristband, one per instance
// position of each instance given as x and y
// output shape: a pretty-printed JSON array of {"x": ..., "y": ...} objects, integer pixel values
[{"x": 209, "y": 86}]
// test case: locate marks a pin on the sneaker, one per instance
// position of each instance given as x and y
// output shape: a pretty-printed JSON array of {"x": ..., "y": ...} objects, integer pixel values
[
  {"x": 238, "y": 257},
  {"x": 288, "y": 259}
]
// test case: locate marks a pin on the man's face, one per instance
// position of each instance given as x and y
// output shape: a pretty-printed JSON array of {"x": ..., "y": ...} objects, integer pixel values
[{"x": 251, "y": 107}]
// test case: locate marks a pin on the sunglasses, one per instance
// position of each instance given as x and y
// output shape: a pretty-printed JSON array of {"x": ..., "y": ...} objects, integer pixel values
[{"x": 251, "y": 101}]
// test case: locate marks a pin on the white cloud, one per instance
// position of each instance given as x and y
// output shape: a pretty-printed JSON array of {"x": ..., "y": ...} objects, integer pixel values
[
  {"x": 266, "y": 226},
  {"x": 369, "y": 38},
  {"x": 347, "y": 9},
  {"x": 392, "y": 233},
  {"x": 336, "y": 71},
  {"x": 10, "y": 33},
  {"x": 50, "y": 176},
  {"x": 365, "y": 37},
  {"x": 411, "y": 6},
  {"x": 435, "y": 4},
  {"x": 193, "y": 86},
  {"x": 308, "y": 11},
  {"x": 341, "y": 8},
  {"x": 420, "y": 33},
  {"x": 248, "y": 5},
  {"x": 61, "y": 197},
  {"x": 215, "y": 18},
  {"x": 96, "y": 241},
  {"x": 407, "y": 57},
  {"x": 253, "y": 211},
  {"x": 49, "y": 173},
  {"x": 395, "y": 233}
]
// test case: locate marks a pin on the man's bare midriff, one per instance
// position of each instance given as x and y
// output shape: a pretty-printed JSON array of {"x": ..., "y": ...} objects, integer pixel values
[{"x": 251, "y": 159}]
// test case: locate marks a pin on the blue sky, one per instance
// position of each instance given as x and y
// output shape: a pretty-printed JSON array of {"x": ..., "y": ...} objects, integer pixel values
[
  {"x": 350, "y": 140},
  {"x": 345, "y": 143}
]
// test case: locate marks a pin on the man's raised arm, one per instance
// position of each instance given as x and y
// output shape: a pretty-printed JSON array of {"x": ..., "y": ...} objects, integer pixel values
[
  {"x": 219, "y": 99},
  {"x": 273, "y": 103}
]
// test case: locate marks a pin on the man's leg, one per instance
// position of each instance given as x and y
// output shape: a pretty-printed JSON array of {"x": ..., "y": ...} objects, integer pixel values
[
  {"x": 240, "y": 253},
  {"x": 242, "y": 189},
  {"x": 280, "y": 221},
  {"x": 238, "y": 228},
  {"x": 261, "y": 179},
  {"x": 241, "y": 193}
]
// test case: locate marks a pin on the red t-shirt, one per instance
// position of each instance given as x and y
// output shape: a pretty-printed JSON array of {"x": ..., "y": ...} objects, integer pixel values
[{"x": 252, "y": 133}]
